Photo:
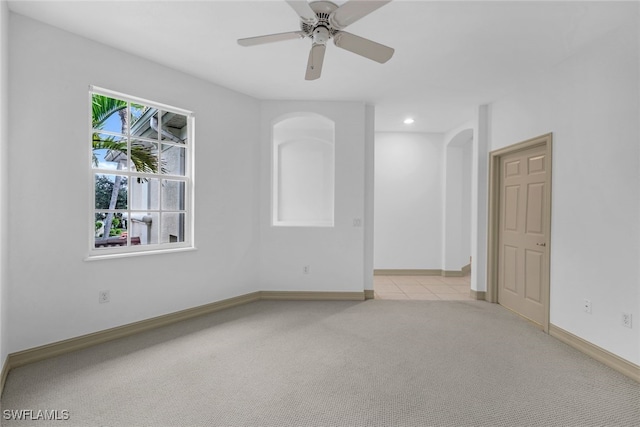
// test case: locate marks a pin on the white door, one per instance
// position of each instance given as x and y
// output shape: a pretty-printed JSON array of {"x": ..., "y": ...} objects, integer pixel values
[{"x": 522, "y": 258}]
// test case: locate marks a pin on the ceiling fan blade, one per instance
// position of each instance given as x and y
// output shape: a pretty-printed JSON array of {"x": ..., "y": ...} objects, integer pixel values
[
  {"x": 353, "y": 10},
  {"x": 363, "y": 47},
  {"x": 314, "y": 65},
  {"x": 252, "y": 41},
  {"x": 304, "y": 11}
]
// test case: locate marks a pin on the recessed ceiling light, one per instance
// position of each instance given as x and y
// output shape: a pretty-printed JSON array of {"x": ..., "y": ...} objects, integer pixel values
[{"x": 408, "y": 121}]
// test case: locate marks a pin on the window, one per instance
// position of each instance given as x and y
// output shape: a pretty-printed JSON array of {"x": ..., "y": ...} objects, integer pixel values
[
  {"x": 141, "y": 172},
  {"x": 303, "y": 171}
]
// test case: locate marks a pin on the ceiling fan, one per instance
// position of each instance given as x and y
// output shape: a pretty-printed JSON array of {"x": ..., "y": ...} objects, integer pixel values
[{"x": 324, "y": 20}]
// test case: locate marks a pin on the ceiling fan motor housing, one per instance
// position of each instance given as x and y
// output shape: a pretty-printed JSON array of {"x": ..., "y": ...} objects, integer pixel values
[{"x": 322, "y": 30}]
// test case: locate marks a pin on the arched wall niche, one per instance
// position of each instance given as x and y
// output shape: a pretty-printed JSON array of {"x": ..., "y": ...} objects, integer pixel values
[{"x": 303, "y": 170}]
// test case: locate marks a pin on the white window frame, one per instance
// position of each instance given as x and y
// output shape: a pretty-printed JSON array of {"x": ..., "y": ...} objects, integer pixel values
[{"x": 188, "y": 178}]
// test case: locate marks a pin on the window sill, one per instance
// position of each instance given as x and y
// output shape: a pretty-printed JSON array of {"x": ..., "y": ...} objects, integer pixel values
[
  {"x": 99, "y": 257},
  {"x": 325, "y": 224}
]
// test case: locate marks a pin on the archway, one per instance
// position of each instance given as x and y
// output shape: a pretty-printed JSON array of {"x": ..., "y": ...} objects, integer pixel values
[{"x": 456, "y": 239}]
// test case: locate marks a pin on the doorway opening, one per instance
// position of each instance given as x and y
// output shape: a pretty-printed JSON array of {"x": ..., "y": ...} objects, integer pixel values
[{"x": 422, "y": 229}]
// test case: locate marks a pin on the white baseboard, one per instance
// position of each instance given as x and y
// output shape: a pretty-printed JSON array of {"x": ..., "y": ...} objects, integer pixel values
[
  {"x": 43, "y": 352},
  {"x": 3, "y": 375},
  {"x": 423, "y": 272},
  {"x": 32, "y": 355},
  {"x": 478, "y": 295},
  {"x": 407, "y": 272},
  {"x": 603, "y": 356},
  {"x": 312, "y": 296}
]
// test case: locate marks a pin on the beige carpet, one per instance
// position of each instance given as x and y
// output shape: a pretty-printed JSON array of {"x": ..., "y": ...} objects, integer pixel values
[{"x": 373, "y": 363}]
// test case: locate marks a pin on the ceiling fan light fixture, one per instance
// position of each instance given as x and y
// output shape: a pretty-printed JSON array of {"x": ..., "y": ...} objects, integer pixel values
[
  {"x": 408, "y": 121},
  {"x": 320, "y": 35}
]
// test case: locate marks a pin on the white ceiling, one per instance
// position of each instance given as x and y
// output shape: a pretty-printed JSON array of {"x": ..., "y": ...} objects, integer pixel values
[{"x": 450, "y": 56}]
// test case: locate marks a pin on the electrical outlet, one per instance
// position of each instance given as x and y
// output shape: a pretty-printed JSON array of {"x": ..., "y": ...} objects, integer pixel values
[
  {"x": 626, "y": 320},
  {"x": 587, "y": 306},
  {"x": 104, "y": 297},
  {"x": 305, "y": 269}
]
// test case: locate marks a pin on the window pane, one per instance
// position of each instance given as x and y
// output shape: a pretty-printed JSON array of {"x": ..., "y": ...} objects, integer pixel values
[
  {"x": 110, "y": 191},
  {"x": 144, "y": 121},
  {"x": 109, "y": 114},
  {"x": 144, "y": 194},
  {"x": 173, "y": 159},
  {"x": 174, "y": 127},
  {"x": 144, "y": 156},
  {"x": 172, "y": 228},
  {"x": 173, "y": 194},
  {"x": 137, "y": 111},
  {"x": 107, "y": 150},
  {"x": 144, "y": 228},
  {"x": 117, "y": 236}
]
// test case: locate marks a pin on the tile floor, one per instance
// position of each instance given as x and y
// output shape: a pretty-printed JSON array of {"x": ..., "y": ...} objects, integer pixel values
[{"x": 431, "y": 288}]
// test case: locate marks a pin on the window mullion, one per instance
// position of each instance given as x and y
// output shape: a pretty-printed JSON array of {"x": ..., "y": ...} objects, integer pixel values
[
  {"x": 160, "y": 192},
  {"x": 129, "y": 169}
]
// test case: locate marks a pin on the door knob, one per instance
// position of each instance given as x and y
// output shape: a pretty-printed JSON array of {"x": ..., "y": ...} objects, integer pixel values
[{"x": 541, "y": 244}]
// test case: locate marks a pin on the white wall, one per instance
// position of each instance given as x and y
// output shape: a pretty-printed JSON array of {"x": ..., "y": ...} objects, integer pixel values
[
  {"x": 54, "y": 292},
  {"x": 452, "y": 209},
  {"x": 465, "y": 235},
  {"x": 408, "y": 200},
  {"x": 369, "y": 194},
  {"x": 479, "y": 198},
  {"x": 590, "y": 102},
  {"x": 335, "y": 255},
  {"x": 4, "y": 175},
  {"x": 456, "y": 216}
]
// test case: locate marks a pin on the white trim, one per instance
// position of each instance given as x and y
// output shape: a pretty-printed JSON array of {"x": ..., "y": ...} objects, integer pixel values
[
  {"x": 145, "y": 251},
  {"x": 129, "y": 98},
  {"x": 624, "y": 366},
  {"x": 302, "y": 223},
  {"x": 91, "y": 186},
  {"x": 190, "y": 171},
  {"x": 188, "y": 179},
  {"x": 161, "y": 177},
  {"x": 157, "y": 247}
]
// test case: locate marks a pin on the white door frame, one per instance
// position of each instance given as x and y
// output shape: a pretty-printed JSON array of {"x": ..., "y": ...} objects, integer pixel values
[{"x": 494, "y": 219}]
